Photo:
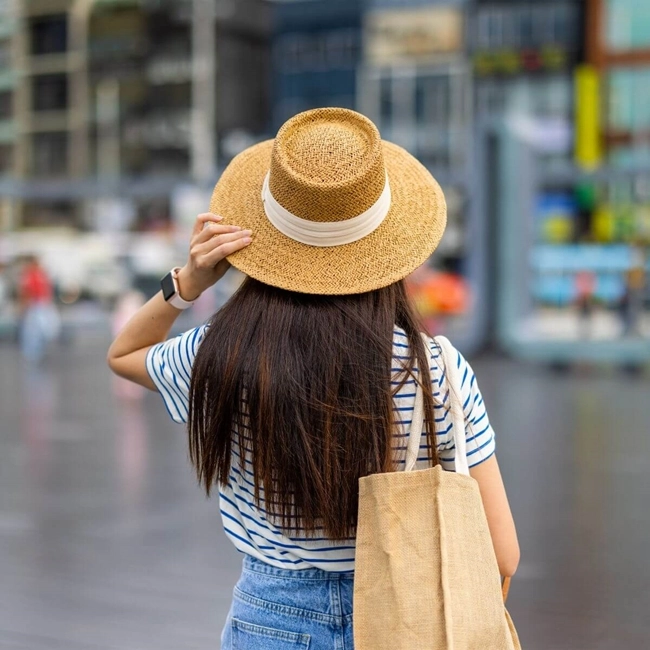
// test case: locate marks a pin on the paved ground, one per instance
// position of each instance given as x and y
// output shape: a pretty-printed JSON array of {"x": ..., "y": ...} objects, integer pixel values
[{"x": 107, "y": 543}]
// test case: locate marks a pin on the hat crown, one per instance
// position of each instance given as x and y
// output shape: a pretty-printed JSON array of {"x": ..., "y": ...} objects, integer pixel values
[{"x": 327, "y": 165}]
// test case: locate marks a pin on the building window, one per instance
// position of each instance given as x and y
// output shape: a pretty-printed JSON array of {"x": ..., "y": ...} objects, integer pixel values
[
  {"x": 6, "y": 158},
  {"x": 627, "y": 25},
  {"x": 5, "y": 54},
  {"x": 6, "y": 105},
  {"x": 50, "y": 154},
  {"x": 325, "y": 50},
  {"x": 49, "y": 34},
  {"x": 50, "y": 92},
  {"x": 385, "y": 101},
  {"x": 51, "y": 214}
]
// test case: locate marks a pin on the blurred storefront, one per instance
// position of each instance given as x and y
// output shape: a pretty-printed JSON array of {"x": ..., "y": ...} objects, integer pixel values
[
  {"x": 523, "y": 54},
  {"x": 116, "y": 117},
  {"x": 108, "y": 109},
  {"x": 572, "y": 268},
  {"x": 574, "y": 271},
  {"x": 415, "y": 83}
]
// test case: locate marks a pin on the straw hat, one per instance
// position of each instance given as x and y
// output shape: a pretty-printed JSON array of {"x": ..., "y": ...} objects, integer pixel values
[{"x": 333, "y": 209}]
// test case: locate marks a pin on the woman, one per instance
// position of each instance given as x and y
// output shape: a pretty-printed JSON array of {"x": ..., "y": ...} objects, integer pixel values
[
  {"x": 305, "y": 380},
  {"x": 40, "y": 321}
]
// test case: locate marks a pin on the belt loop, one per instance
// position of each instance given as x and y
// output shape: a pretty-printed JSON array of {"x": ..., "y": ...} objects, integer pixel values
[{"x": 335, "y": 599}]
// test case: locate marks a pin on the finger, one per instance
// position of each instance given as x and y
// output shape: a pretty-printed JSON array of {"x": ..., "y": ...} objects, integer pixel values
[
  {"x": 214, "y": 242},
  {"x": 202, "y": 219},
  {"x": 212, "y": 230},
  {"x": 228, "y": 248}
]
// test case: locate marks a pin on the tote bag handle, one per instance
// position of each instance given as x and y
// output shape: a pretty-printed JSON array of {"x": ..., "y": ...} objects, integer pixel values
[
  {"x": 450, "y": 368},
  {"x": 449, "y": 357}
]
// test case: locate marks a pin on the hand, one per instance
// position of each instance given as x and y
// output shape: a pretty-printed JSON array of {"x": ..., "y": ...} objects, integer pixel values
[{"x": 211, "y": 243}]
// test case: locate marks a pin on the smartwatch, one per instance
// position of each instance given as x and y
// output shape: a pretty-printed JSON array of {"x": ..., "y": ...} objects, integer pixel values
[{"x": 171, "y": 293}]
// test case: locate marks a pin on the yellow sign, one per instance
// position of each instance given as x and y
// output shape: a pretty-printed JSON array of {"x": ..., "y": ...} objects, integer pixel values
[{"x": 588, "y": 151}]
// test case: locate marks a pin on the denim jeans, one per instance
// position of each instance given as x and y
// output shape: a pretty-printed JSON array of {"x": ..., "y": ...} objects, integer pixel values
[
  {"x": 40, "y": 325},
  {"x": 280, "y": 609},
  {"x": 33, "y": 333}
]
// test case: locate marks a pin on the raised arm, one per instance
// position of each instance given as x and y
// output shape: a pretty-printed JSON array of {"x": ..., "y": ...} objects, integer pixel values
[{"x": 211, "y": 243}]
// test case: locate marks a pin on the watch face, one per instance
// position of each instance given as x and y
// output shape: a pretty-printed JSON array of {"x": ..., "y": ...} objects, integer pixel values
[{"x": 168, "y": 287}]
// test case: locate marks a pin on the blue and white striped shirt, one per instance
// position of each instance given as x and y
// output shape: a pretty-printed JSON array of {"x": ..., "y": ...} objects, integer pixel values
[{"x": 246, "y": 524}]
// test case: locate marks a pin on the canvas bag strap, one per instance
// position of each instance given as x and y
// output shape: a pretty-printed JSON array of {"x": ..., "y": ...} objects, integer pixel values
[{"x": 449, "y": 357}]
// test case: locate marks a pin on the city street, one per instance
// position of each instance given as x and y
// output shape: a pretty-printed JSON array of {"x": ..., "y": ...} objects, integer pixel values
[{"x": 107, "y": 542}]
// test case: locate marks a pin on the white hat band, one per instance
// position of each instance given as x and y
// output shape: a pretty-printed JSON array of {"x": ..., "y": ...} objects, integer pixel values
[{"x": 326, "y": 233}]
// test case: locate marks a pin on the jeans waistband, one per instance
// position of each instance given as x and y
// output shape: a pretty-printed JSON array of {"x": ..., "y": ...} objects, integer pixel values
[{"x": 257, "y": 566}]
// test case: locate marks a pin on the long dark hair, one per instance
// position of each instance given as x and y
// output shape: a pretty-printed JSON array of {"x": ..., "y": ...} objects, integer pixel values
[{"x": 301, "y": 384}]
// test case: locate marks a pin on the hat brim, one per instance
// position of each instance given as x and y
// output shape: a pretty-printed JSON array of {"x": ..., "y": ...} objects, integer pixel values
[{"x": 405, "y": 239}]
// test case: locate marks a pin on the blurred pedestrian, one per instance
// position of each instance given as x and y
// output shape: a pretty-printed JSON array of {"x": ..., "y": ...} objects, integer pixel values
[
  {"x": 631, "y": 304},
  {"x": 39, "y": 318},
  {"x": 585, "y": 286},
  {"x": 315, "y": 374},
  {"x": 5, "y": 289},
  {"x": 127, "y": 306}
]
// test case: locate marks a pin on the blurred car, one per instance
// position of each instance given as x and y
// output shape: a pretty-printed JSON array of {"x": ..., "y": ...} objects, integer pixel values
[{"x": 105, "y": 280}]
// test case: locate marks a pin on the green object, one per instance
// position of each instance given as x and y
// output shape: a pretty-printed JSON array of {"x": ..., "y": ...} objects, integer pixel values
[
  {"x": 586, "y": 196},
  {"x": 625, "y": 222}
]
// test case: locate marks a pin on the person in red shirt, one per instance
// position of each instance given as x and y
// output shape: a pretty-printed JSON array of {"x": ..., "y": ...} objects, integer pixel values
[
  {"x": 35, "y": 285},
  {"x": 39, "y": 318}
]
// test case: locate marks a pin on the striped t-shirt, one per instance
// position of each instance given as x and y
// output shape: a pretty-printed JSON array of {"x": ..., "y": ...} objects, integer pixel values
[{"x": 246, "y": 524}]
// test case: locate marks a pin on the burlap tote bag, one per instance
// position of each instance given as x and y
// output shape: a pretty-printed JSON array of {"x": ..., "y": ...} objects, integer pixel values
[{"x": 426, "y": 576}]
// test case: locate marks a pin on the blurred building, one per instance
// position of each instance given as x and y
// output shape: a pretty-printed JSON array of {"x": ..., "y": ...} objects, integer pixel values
[
  {"x": 118, "y": 116},
  {"x": 618, "y": 46},
  {"x": 9, "y": 28},
  {"x": 94, "y": 91},
  {"x": 316, "y": 53},
  {"x": 415, "y": 79},
  {"x": 523, "y": 54},
  {"x": 415, "y": 83}
]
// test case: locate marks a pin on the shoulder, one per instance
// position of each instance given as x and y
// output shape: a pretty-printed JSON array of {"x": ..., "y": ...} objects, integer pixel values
[
  {"x": 401, "y": 348},
  {"x": 440, "y": 363},
  {"x": 169, "y": 365},
  {"x": 453, "y": 368}
]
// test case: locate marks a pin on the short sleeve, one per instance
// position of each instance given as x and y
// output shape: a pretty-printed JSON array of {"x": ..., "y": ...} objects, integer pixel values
[
  {"x": 478, "y": 431},
  {"x": 169, "y": 365}
]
